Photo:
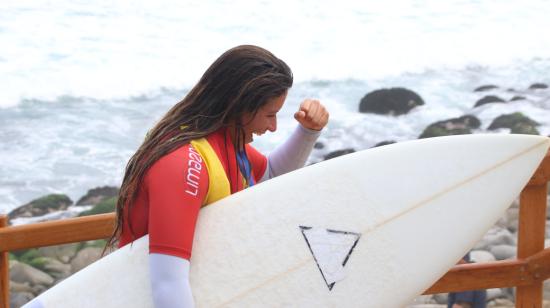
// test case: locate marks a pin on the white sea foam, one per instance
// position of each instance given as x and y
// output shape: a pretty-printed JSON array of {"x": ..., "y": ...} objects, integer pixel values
[{"x": 109, "y": 50}]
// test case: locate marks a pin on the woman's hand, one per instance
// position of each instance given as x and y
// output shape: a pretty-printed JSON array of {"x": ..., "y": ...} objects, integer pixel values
[{"x": 312, "y": 114}]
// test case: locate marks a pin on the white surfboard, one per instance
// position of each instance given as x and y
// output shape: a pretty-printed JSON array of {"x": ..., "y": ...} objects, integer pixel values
[{"x": 370, "y": 229}]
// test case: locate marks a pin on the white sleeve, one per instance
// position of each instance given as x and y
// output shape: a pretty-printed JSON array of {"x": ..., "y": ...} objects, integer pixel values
[
  {"x": 170, "y": 281},
  {"x": 292, "y": 154}
]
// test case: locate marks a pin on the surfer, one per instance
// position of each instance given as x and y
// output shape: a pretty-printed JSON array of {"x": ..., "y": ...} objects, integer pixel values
[{"x": 199, "y": 152}]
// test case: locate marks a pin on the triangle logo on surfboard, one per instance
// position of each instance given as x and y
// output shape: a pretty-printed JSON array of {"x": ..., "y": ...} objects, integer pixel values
[{"x": 331, "y": 250}]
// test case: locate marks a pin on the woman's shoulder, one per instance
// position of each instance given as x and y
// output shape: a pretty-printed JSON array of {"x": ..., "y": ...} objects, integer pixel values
[{"x": 174, "y": 162}]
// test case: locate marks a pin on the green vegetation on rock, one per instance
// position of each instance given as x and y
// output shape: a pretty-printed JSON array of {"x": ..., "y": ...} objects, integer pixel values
[
  {"x": 437, "y": 131},
  {"x": 26, "y": 256},
  {"x": 51, "y": 201},
  {"x": 455, "y": 126},
  {"x": 96, "y": 244},
  {"x": 511, "y": 120},
  {"x": 105, "y": 206},
  {"x": 39, "y": 263},
  {"x": 42, "y": 206},
  {"x": 523, "y": 128}
]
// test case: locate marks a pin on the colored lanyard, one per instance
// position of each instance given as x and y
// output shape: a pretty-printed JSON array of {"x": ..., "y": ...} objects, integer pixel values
[{"x": 245, "y": 167}]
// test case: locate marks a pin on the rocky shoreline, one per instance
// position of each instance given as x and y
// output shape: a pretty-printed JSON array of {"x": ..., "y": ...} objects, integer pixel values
[
  {"x": 395, "y": 102},
  {"x": 32, "y": 271},
  {"x": 35, "y": 270}
]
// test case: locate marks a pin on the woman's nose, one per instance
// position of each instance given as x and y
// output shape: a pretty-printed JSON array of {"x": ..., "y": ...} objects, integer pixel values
[{"x": 273, "y": 125}]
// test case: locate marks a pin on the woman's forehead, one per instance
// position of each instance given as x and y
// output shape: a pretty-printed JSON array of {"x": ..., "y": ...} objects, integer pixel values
[{"x": 275, "y": 104}]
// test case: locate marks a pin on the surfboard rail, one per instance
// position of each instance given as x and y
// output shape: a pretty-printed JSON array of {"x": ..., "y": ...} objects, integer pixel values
[{"x": 527, "y": 273}]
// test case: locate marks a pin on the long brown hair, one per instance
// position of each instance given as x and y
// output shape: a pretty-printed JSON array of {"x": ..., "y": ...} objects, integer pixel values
[{"x": 240, "y": 81}]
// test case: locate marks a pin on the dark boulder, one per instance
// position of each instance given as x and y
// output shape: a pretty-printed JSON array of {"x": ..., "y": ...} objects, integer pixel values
[
  {"x": 456, "y": 126},
  {"x": 516, "y": 122},
  {"x": 338, "y": 153},
  {"x": 525, "y": 129},
  {"x": 489, "y": 99},
  {"x": 517, "y": 98},
  {"x": 18, "y": 299},
  {"x": 319, "y": 145},
  {"x": 96, "y": 195},
  {"x": 388, "y": 142},
  {"x": 394, "y": 101},
  {"x": 485, "y": 88},
  {"x": 42, "y": 206},
  {"x": 538, "y": 86}
]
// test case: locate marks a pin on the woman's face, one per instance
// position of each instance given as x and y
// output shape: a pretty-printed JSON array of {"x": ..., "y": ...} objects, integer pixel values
[{"x": 264, "y": 120}]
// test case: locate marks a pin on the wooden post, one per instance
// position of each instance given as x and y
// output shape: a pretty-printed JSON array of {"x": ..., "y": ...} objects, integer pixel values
[
  {"x": 532, "y": 230},
  {"x": 4, "y": 271}
]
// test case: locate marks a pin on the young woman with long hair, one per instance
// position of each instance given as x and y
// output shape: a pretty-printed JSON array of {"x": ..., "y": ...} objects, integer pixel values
[{"x": 199, "y": 152}]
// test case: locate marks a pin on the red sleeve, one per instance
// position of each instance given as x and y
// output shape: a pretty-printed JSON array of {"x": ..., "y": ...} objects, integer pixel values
[
  {"x": 177, "y": 185},
  {"x": 258, "y": 162}
]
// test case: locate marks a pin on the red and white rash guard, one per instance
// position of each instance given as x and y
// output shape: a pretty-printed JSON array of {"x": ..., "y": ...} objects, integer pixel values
[{"x": 169, "y": 199}]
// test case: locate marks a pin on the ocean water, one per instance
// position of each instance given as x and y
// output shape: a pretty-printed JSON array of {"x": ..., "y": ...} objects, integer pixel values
[{"x": 82, "y": 82}]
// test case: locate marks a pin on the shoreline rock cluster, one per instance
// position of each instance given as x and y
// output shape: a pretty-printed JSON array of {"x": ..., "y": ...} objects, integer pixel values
[
  {"x": 395, "y": 102},
  {"x": 32, "y": 271}
]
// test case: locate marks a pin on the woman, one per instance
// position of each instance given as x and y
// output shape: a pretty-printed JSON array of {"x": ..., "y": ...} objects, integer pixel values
[{"x": 199, "y": 153}]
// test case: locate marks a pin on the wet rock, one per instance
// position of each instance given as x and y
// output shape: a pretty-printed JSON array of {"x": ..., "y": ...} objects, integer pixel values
[
  {"x": 19, "y": 299},
  {"x": 525, "y": 129},
  {"x": 85, "y": 257},
  {"x": 510, "y": 220},
  {"x": 379, "y": 144},
  {"x": 494, "y": 294},
  {"x": 21, "y": 273},
  {"x": 485, "y": 88},
  {"x": 494, "y": 237},
  {"x": 394, "y": 101},
  {"x": 503, "y": 252},
  {"x": 456, "y": 126},
  {"x": 16, "y": 287},
  {"x": 516, "y": 122},
  {"x": 338, "y": 153},
  {"x": 501, "y": 303},
  {"x": 488, "y": 100},
  {"x": 63, "y": 253},
  {"x": 38, "y": 289},
  {"x": 42, "y": 206},
  {"x": 319, "y": 146},
  {"x": 480, "y": 256},
  {"x": 52, "y": 267},
  {"x": 441, "y": 298},
  {"x": 517, "y": 98},
  {"x": 96, "y": 195},
  {"x": 536, "y": 86}
]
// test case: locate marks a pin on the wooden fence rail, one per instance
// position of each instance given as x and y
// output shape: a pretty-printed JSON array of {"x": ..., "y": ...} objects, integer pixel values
[{"x": 527, "y": 273}]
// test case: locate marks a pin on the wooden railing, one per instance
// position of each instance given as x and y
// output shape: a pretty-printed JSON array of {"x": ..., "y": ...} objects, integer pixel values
[
  {"x": 532, "y": 266},
  {"x": 527, "y": 273}
]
